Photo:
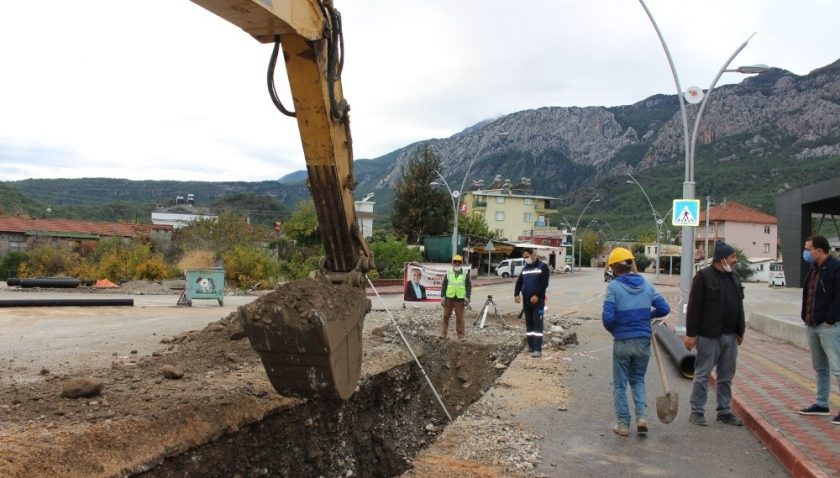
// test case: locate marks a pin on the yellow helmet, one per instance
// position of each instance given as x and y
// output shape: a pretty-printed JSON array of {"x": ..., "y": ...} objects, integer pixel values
[
  {"x": 619, "y": 254},
  {"x": 457, "y": 258}
]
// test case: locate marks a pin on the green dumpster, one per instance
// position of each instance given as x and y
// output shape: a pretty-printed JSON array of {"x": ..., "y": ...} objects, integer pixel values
[{"x": 206, "y": 283}]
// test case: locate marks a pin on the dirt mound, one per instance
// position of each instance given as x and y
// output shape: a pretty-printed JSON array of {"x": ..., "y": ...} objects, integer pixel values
[{"x": 305, "y": 303}]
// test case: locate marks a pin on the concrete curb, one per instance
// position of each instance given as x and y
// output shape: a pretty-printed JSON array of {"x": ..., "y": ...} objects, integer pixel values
[
  {"x": 786, "y": 452},
  {"x": 793, "y": 332}
]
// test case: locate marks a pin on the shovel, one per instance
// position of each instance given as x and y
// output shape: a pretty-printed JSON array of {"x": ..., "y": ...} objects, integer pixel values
[{"x": 668, "y": 404}]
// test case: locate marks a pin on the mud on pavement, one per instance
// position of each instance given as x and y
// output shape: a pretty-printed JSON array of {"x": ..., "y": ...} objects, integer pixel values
[{"x": 217, "y": 414}]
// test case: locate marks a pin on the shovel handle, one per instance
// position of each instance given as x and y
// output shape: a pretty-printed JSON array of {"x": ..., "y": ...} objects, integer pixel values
[{"x": 659, "y": 363}]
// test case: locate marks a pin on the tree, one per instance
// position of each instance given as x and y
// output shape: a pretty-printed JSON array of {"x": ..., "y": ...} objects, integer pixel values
[
  {"x": 742, "y": 268},
  {"x": 420, "y": 208},
  {"x": 390, "y": 255},
  {"x": 591, "y": 245},
  {"x": 475, "y": 225},
  {"x": 303, "y": 225},
  {"x": 642, "y": 261}
]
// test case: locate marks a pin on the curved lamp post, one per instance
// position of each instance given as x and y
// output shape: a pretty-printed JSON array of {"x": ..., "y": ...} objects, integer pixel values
[
  {"x": 657, "y": 220},
  {"x": 687, "y": 256},
  {"x": 453, "y": 195},
  {"x": 456, "y": 195},
  {"x": 577, "y": 223}
]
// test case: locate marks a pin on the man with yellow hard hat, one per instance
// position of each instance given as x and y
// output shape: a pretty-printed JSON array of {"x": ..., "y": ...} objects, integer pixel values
[
  {"x": 629, "y": 305},
  {"x": 455, "y": 294}
]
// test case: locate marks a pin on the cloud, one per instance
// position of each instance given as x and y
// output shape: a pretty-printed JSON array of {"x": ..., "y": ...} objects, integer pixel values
[{"x": 166, "y": 90}]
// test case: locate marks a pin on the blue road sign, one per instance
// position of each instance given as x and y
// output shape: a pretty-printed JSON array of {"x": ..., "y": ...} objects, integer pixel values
[{"x": 686, "y": 212}]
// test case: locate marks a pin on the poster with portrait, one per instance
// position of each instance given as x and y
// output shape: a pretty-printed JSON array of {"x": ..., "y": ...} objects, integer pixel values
[{"x": 423, "y": 283}]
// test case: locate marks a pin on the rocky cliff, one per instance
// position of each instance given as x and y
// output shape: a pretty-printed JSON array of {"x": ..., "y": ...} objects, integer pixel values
[{"x": 776, "y": 116}]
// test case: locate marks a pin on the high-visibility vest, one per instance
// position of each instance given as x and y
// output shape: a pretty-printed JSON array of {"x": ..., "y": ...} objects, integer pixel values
[{"x": 456, "y": 286}]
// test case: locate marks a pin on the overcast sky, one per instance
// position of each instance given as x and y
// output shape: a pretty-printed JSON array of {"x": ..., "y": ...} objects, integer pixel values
[{"x": 163, "y": 89}]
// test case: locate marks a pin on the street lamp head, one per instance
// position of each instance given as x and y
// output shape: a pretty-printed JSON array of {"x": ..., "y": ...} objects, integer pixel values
[
  {"x": 434, "y": 183},
  {"x": 752, "y": 69}
]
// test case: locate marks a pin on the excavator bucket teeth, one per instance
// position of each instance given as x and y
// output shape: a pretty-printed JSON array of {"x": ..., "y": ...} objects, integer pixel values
[{"x": 308, "y": 334}]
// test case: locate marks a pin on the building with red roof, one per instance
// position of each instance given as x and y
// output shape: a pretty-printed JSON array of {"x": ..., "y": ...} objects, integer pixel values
[
  {"x": 20, "y": 234},
  {"x": 745, "y": 228}
]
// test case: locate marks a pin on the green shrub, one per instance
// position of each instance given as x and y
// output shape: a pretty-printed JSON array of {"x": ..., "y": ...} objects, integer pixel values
[
  {"x": 10, "y": 264},
  {"x": 247, "y": 266},
  {"x": 391, "y": 255},
  {"x": 48, "y": 261}
]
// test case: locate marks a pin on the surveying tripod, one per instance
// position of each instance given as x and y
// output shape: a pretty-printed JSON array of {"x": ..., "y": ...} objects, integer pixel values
[{"x": 486, "y": 310}]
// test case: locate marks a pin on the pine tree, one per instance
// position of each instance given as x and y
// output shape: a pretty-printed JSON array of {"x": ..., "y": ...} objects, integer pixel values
[{"x": 419, "y": 208}]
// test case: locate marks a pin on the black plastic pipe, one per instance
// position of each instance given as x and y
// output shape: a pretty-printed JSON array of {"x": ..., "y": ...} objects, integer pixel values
[
  {"x": 13, "y": 281},
  {"x": 52, "y": 282},
  {"x": 65, "y": 302},
  {"x": 682, "y": 358}
]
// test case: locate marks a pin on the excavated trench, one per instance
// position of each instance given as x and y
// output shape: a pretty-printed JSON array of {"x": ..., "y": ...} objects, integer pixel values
[{"x": 376, "y": 433}]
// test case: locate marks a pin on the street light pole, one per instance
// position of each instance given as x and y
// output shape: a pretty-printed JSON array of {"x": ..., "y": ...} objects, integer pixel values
[
  {"x": 452, "y": 196},
  {"x": 657, "y": 222},
  {"x": 687, "y": 257},
  {"x": 456, "y": 195},
  {"x": 574, "y": 229}
]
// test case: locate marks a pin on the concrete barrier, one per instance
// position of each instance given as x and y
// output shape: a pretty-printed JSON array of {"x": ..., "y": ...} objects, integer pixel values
[{"x": 791, "y": 330}]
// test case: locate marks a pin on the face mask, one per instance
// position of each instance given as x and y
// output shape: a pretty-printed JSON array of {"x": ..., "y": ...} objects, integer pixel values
[
  {"x": 457, "y": 267},
  {"x": 529, "y": 260},
  {"x": 727, "y": 267},
  {"x": 809, "y": 258}
]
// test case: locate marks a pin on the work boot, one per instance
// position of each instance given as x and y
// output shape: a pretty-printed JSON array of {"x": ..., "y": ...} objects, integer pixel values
[
  {"x": 536, "y": 354},
  {"x": 641, "y": 426},
  {"x": 698, "y": 419},
  {"x": 730, "y": 419},
  {"x": 836, "y": 420},
  {"x": 621, "y": 430}
]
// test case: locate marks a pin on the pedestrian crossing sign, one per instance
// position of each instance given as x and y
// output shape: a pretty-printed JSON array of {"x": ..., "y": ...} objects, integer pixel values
[{"x": 686, "y": 212}]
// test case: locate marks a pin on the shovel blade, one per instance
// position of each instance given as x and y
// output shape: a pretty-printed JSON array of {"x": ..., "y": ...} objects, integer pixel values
[{"x": 667, "y": 407}]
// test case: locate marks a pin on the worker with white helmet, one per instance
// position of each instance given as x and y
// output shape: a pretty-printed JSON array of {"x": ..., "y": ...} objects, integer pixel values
[
  {"x": 455, "y": 295},
  {"x": 532, "y": 284},
  {"x": 629, "y": 305}
]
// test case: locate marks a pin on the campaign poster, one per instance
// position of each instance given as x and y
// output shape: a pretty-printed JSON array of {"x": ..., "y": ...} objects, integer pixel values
[{"x": 422, "y": 283}]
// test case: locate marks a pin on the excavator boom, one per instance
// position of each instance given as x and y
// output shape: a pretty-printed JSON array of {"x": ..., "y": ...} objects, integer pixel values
[{"x": 309, "y": 346}]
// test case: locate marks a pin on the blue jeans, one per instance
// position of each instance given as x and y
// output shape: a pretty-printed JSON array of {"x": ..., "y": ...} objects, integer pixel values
[
  {"x": 630, "y": 362},
  {"x": 824, "y": 341}
]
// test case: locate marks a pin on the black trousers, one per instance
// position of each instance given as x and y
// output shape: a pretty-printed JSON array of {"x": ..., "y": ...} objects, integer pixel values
[{"x": 534, "y": 324}]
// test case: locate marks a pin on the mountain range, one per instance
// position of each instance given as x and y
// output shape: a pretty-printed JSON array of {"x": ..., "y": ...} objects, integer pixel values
[{"x": 767, "y": 134}]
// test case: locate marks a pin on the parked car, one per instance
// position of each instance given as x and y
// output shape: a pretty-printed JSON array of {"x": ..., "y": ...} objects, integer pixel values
[
  {"x": 608, "y": 274},
  {"x": 565, "y": 268},
  {"x": 510, "y": 267}
]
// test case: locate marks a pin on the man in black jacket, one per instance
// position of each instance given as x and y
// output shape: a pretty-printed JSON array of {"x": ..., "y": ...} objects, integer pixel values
[
  {"x": 715, "y": 325},
  {"x": 532, "y": 284},
  {"x": 821, "y": 314}
]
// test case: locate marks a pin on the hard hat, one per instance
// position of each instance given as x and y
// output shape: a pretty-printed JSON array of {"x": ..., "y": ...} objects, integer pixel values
[
  {"x": 619, "y": 254},
  {"x": 457, "y": 258}
]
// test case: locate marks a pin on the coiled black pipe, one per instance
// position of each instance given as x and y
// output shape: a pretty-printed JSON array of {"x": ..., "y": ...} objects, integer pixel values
[
  {"x": 65, "y": 302},
  {"x": 682, "y": 358},
  {"x": 51, "y": 282},
  {"x": 13, "y": 281}
]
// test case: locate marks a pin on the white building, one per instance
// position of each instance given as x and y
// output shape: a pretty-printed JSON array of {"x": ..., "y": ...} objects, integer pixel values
[
  {"x": 364, "y": 216},
  {"x": 180, "y": 215}
]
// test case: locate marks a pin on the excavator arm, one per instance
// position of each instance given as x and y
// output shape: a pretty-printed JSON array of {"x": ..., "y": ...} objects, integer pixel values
[{"x": 319, "y": 356}]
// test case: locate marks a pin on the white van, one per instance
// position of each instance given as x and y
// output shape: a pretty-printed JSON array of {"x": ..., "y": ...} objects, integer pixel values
[{"x": 510, "y": 267}]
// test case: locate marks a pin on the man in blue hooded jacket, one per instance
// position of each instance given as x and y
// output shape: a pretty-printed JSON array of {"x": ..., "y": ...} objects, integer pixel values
[{"x": 629, "y": 305}]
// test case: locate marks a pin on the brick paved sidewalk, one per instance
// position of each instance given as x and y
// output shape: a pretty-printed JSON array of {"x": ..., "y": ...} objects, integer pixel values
[{"x": 773, "y": 381}]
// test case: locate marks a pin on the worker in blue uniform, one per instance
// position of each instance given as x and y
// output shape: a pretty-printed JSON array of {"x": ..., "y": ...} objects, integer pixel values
[{"x": 530, "y": 287}]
